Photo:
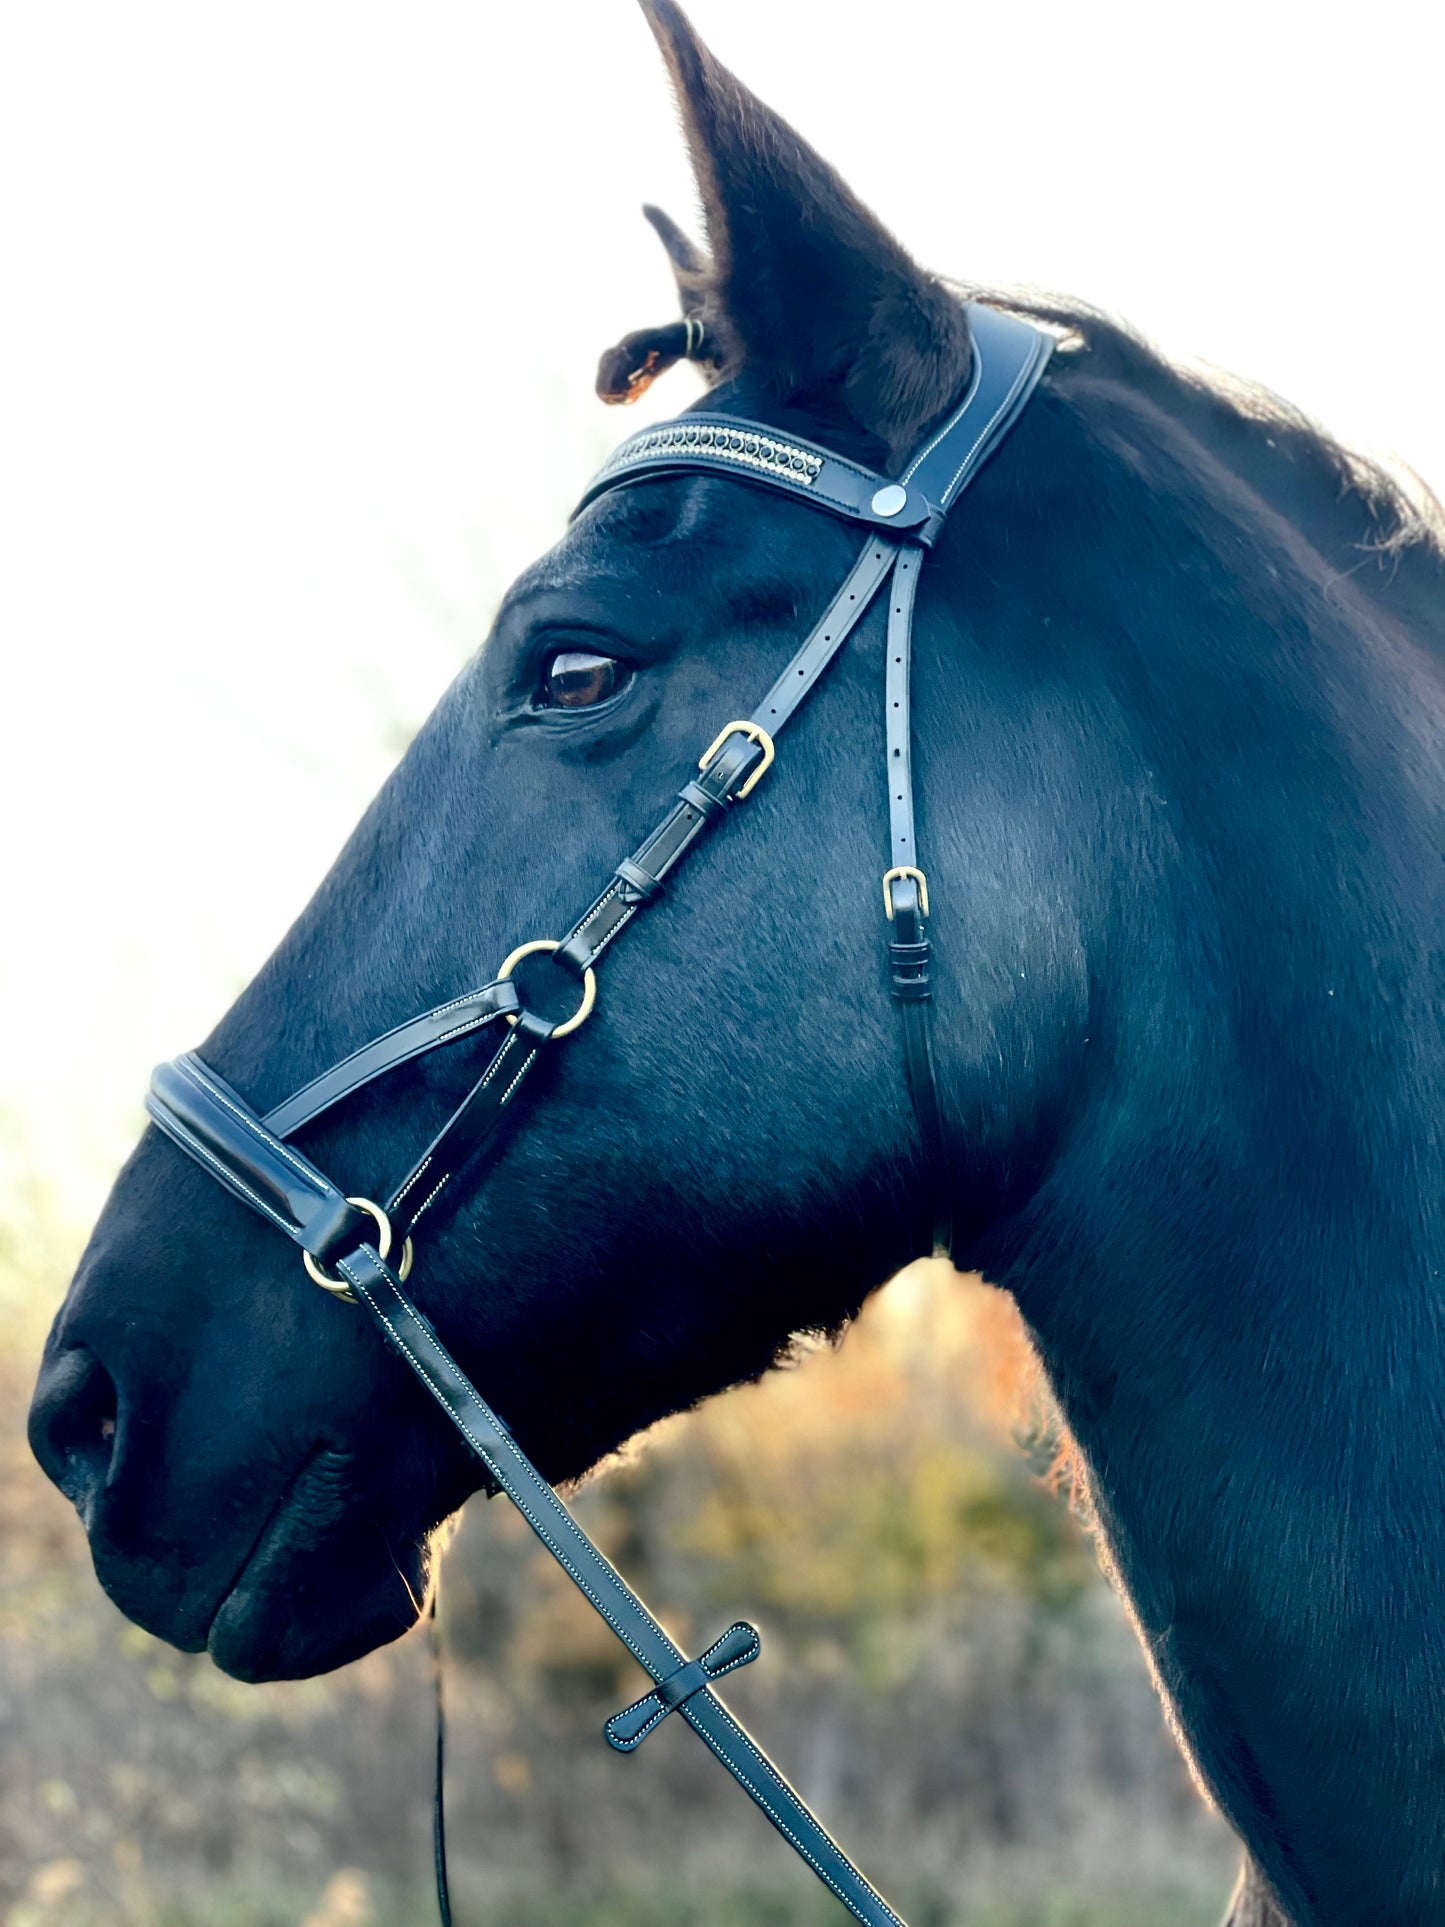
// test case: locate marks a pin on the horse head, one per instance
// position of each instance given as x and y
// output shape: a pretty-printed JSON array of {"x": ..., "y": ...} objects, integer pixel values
[
  {"x": 727, "y": 1156},
  {"x": 1178, "y": 749}
]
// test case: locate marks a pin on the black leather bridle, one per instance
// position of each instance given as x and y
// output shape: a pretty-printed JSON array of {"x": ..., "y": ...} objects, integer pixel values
[{"x": 354, "y": 1237}]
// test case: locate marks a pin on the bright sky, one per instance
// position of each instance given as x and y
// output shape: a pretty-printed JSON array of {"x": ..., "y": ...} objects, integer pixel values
[{"x": 303, "y": 303}]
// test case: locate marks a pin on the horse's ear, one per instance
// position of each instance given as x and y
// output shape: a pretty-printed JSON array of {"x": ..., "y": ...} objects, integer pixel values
[
  {"x": 810, "y": 292},
  {"x": 629, "y": 369}
]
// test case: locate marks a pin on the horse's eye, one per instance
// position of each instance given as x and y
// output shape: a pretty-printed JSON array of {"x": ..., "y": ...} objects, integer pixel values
[{"x": 577, "y": 680}]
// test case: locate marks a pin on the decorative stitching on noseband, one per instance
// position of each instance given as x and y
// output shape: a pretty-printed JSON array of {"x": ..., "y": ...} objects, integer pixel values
[
  {"x": 526, "y": 1066},
  {"x": 174, "y": 1127},
  {"x": 431, "y": 1197},
  {"x": 209, "y": 1085},
  {"x": 415, "y": 1177}
]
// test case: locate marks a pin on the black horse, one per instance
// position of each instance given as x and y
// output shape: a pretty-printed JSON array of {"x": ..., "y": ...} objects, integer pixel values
[{"x": 1181, "y": 757}]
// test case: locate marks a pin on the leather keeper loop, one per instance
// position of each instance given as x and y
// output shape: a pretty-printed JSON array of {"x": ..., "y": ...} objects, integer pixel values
[
  {"x": 738, "y": 1646},
  {"x": 702, "y": 800},
  {"x": 335, "y": 1231},
  {"x": 909, "y": 963},
  {"x": 636, "y": 878},
  {"x": 575, "y": 955},
  {"x": 539, "y": 1029}
]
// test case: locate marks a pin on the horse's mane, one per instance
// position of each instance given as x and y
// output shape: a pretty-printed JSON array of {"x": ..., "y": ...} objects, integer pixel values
[{"x": 1381, "y": 525}]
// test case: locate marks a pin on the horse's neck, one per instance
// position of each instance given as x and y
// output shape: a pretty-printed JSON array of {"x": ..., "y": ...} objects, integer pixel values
[{"x": 1191, "y": 1038}]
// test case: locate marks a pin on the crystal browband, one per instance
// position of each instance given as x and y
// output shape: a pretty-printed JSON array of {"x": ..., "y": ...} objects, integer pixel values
[{"x": 784, "y": 459}]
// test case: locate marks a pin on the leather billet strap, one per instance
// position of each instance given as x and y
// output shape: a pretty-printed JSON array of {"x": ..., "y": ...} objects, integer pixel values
[
  {"x": 444, "y": 1025},
  {"x": 910, "y": 955},
  {"x": 471, "y": 1124},
  {"x": 412, "y": 1336},
  {"x": 640, "y": 878}
]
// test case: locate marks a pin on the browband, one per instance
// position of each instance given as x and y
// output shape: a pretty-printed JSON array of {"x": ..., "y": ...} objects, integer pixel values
[
  {"x": 1008, "y": 358},
  {"x": 251, "y": 1157}
]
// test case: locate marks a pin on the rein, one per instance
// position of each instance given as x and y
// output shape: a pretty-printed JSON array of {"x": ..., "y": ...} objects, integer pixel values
[{"x": 346, "y": 1242}]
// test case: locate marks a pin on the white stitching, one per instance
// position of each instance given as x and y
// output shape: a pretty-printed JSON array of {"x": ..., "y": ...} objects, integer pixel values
[
  {"x": 411, "y": 1180},
  {"x": 472, "y": 1023},
  {"x": 632, "y": 1740},
  {"x": 188, "y": 1066},
  {"x": 710, "y": 1673},
  {"x": 962, "y": 409},
  {"x": 505, "y": 1477},
  {"x": 747, "y": 1742},
  {"x": 987, "y": 429},
  {"x": 431, "y": 1197},
  {"x": 754, "y": 1647},
  {"x": 486, "y": 1079},
  {"x": 526, "y": 1066},
  {"x": 470, "y": 997},
  {"x": 495, "y": 1064},
  {"x": 194, "y": 1145}
]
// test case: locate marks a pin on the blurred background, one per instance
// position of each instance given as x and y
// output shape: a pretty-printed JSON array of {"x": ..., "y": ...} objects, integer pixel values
[{"x": 302, "y": 307}]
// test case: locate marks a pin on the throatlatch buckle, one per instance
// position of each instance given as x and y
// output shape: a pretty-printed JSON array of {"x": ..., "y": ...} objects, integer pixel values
[
  {"x": 755, "y": 733},
  {"x": 738, "y": 1646},
  {"x": 890, "y": 877}
]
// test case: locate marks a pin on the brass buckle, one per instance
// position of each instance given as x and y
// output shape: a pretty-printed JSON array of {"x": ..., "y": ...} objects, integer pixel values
[
  {"x": 755, "y": 733},
  {"x": 589, "y": 984},
  {"x": 338, "y": 1287},
  {"x": 890, "y": 877}
]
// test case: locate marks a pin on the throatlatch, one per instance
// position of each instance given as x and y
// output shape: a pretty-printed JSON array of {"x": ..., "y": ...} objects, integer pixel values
[{"x": 346, "y": 1241}]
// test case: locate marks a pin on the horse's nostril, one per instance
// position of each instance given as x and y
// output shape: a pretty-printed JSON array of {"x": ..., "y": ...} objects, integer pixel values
[{"x": 72, "y": 1425}]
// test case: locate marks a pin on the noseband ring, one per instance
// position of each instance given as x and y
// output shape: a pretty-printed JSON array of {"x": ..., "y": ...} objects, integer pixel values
[
  {"x": 253, "y": 1157},
  {"x": 589, "y": 985},
  {"x": 338, "y": 1287}
]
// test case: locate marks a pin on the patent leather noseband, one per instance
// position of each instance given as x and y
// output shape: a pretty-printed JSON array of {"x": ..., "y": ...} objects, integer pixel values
[{"x": 347, "y": 1241}]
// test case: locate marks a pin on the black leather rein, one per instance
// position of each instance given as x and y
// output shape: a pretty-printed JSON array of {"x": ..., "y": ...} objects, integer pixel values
[{"x": 251, "y": 1156}]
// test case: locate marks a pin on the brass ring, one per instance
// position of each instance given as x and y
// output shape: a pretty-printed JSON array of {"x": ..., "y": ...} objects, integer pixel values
[
  {"x": 338, "y": 1287},
  {"x": 589, "y": 984}
]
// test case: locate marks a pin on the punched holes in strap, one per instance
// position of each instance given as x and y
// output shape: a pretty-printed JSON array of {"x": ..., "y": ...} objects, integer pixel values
[
  {"x": 731, "y": 767},
  {"x": 738, "y": 1646}
]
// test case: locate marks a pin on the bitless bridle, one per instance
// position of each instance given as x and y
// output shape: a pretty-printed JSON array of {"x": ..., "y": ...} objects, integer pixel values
[{"x": 346, "y": 1241}]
